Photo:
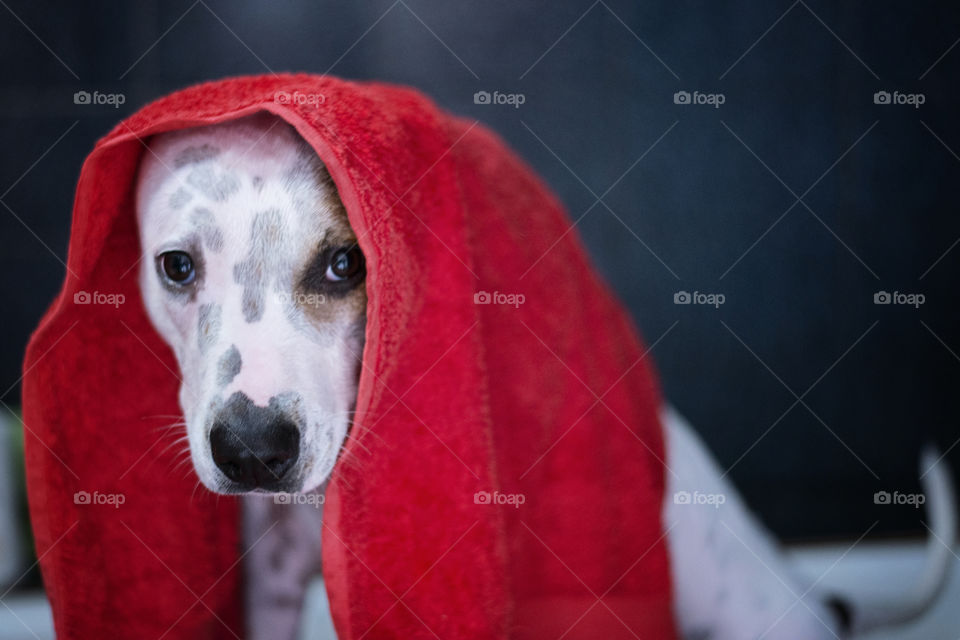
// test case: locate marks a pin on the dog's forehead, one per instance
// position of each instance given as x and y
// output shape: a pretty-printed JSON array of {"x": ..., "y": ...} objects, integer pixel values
[{"x": 216, "y": 182}]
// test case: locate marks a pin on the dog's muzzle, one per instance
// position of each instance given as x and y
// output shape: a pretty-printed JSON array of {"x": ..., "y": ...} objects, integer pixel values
[{"x": 254, "y": 447}]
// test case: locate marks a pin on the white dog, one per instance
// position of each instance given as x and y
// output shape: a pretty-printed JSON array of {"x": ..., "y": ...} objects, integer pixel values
[{"x": 252, "y": 274}]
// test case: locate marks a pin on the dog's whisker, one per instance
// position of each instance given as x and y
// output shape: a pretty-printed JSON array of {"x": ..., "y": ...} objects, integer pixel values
[
  {"x": 362, "y": 430},
  {"x": 176, "y": 441},
  {"x": 367, "y": 444},
  {"x": 348, "y": 460},
  {"x": 360, "y": 444},
  {"x": 170, "y": 428},
  {"x": 184, "y": 463},
  {"x": 181, "y": 455},
  {"x": 338, "y": 476},
  {"x": 176, "y": 455},
  {"x": 342, "y": 479},
  {"x": 183, "y": 466},
  {"x": 194, "y": 492},
  {"x": 350, "y": 454}
]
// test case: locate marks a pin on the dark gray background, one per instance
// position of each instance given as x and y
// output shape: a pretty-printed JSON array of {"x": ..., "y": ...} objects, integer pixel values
[{"x": 713, "y": 193}]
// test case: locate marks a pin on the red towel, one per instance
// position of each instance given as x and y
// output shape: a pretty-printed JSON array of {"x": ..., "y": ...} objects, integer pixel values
[{"x": 512, "y": 484}]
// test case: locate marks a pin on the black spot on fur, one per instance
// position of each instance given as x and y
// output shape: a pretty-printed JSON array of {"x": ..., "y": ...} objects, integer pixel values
[
  {"x": 261, "y": 263},
  {"x": 208, "y": 326},
  {"x": 843, "y": 612},
  {"x": 180, "y": 198},
  {"x": 195, "y": 155},
  {"x": 206, "y": 224},
  {"x": 215, "y": 185},
  {"x": 229, "y": 366}
]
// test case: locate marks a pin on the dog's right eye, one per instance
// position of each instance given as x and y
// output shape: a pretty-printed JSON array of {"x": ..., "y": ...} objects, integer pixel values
[
  {"x": 345, "y": 264},
  {"x": 178, "y": 267}
]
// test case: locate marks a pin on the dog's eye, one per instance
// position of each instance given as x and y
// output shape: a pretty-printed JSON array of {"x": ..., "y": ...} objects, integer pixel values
[
  {"x": 178, "y": 267},
  {"x": 345, "y": 264}
]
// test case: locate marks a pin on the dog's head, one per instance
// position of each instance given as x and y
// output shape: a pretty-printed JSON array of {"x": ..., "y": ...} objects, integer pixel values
[{"x": 251, "y": 273}]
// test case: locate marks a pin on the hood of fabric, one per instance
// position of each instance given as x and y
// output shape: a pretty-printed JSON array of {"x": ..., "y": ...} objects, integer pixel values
[{"x": 511, "y": 480}]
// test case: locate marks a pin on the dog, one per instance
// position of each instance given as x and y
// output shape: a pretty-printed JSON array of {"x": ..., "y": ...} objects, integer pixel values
[{"x": 252, "y": 274}]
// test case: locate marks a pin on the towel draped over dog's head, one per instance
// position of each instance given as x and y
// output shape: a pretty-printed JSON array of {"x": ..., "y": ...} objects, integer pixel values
[{"x": 510, "y": 472}]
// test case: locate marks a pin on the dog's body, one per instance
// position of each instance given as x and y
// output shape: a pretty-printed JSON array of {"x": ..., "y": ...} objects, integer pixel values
[{"x": 252, "y": 274}]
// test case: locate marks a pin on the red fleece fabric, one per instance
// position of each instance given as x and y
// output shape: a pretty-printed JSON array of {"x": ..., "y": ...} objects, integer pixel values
[{"x": 468, "y": 403}]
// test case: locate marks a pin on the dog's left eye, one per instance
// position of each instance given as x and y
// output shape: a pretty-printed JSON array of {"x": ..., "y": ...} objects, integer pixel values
[
  {"x": 345, "y": 264},
  {"x": 178, "y": 267}
]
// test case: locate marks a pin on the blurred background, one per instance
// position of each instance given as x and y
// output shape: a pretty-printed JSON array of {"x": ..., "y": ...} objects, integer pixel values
[{"x": 789, "y": 169}]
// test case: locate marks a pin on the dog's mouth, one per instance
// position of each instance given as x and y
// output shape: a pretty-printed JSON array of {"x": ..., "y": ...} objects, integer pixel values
[
  {"x": 233, "y": 488},
  {"x": 294, "y": 482}
]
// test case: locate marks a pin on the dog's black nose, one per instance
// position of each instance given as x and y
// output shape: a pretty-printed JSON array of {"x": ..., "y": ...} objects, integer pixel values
[{"x": 256, "y": 447}]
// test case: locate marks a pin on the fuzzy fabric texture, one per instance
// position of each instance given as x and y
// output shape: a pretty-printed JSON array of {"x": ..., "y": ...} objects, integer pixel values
[{"x": 465, "y": 402}]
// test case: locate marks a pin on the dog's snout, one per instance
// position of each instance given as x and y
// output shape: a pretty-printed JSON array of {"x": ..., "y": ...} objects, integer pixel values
[
  {"x": 255, "y": 447},
  {"x": 255, "y": 456}
]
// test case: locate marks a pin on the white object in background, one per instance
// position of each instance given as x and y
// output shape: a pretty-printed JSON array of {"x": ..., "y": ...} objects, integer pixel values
[
  {"x": 880, "y": 571},
  {"x": 316, "y": 623},
  {"x": 11, "y": 546},
  {"x": 26, "y": 616}
]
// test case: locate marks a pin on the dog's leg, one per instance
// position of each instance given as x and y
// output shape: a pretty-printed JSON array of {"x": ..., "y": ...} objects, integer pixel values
[
  {"x": 283, "y": 553},
  {"x": 731, "y": 581}
]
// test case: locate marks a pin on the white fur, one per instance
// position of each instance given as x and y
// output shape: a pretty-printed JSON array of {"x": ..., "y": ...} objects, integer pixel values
[{"x": 731, "y": 580}]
